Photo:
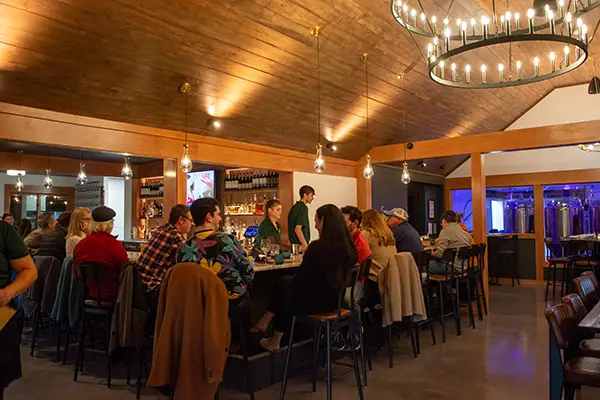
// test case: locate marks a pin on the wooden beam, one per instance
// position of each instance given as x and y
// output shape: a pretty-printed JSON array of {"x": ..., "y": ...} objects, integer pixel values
[
  {"x": 538, "y": 212},
  {"x": 447, "y": 199},
  {"x": 37, "y": 164},
  {"x": 58, "y": 129},
  {"x": 530, "y": 179},
  {"x": 519, "y": 139},
  {"x": 478, "y": 188}
]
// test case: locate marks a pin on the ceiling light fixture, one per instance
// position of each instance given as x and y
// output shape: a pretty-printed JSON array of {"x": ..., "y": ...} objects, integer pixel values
[
  {"x": 214, "y": 123},
  {"x": 319, "y": 163},
  {"x": 19, "y": 185},
  {"x": 507, "y": 30},
  {"x": 368, "y": 171},
  {"x": 405, "y": 178},
  {"x": 81, "y": 175},
  {"x": 127, "y": 171},
  {"x": 590, "y": 147},
  {"x": 594, "y": 86},
  {"x": 47, "y": 182},
  {"x": 422, "y": 164},
  {"x": 186, "y": 164},
  {"x": 331, "y": 146}
]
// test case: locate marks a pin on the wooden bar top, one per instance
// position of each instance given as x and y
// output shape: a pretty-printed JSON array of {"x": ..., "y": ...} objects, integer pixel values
[
  {"x": 259, "y": 267},
  {"x": 591, "y": 322}
]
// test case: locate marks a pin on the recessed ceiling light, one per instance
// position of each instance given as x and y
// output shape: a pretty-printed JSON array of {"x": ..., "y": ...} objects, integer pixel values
[
  {"x": 214, "y": 123},
  {"x": 331, "y": 146}
]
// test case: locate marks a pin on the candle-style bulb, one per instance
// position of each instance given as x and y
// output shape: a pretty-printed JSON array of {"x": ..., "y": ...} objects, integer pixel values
[
  {"x": 453, "y": 69},
  {"x": 530, "y": 13},
  {"x": 552, "y": 60},
  {"x": 468, "y": 73},
  {"x": 441, "y": 64},
  {"x": 536, "y": 61},
  {"x": 458, "y": 22},
  {"x": 536, "y": 66},
  {"x": 483, "y": 74},
  {"x": 518, "y": 70},
  {"x": 422, "y": 17},
  {"x": 429, "y": 49},
  {"x": 579, "y": 22},
  {"x": 447, "y": 33},
  {"x": 434, "y": 19},
  {"x": 569, "y": 17},
  {"x": 501, "y": 72}
]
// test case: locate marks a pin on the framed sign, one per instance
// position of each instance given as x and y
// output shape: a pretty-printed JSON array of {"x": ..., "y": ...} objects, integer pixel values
[{"x": 431, "y": 209}]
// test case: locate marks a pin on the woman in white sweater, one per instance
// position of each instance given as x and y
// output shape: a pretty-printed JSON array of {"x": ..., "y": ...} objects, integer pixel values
[{"x": 78, "y": 228}]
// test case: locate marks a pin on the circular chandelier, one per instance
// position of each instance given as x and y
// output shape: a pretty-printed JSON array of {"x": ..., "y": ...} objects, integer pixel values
[
  {"x": 590, "y": 147},
  {"x": 507, "y": 29}
]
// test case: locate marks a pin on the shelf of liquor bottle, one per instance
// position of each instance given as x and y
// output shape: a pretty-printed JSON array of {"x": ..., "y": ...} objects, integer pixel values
[
  {"x": 151, "y": 197},
  {"x": 258, "y": 190},
  {"x": 244, "y": 215}
]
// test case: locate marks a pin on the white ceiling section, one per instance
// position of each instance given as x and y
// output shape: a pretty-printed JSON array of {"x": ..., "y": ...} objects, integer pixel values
[{"x": 561, "y": 106}]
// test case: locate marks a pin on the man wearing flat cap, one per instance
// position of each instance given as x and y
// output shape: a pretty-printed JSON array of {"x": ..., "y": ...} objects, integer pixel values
[{"x": 103, "y": 248}]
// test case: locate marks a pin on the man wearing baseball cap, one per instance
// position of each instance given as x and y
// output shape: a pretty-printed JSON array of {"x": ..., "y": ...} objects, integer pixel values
[{"x": 407, "y": 238}]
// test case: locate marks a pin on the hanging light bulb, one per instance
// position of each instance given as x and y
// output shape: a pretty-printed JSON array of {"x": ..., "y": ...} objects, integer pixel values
[
  {"x": 368, "y": 171},
  {"x": 19, "y": 185},
  {"x": 405, "y": 174},
  {"x": 126, "y": 171},
  {"x": 82, "y": 176},
  {"x": 48, "y": 179},
  {"x": 186, "y": 163},
  {"x": 319, "y": 160}
]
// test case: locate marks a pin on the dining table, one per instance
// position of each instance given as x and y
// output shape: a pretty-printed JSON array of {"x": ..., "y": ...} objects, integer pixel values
[{"x": 591, "y": 322}]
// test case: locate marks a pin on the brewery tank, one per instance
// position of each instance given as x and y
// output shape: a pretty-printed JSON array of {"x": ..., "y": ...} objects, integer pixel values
[
  {"x": 594, "y": 216},
  {"x": 518, "y": 216},
  {"x": 564, "y": 217}
]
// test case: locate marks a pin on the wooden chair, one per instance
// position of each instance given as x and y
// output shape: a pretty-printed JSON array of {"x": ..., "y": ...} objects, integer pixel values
[
  {"x": 444, "y": 283},
  {"x": 512, "y": 255},
  {"x": 465, "y": 277},
  {"x": 553, "y": 262},
  {"x": 422, "y": 261},
  {"x": 584, "y": 287}
]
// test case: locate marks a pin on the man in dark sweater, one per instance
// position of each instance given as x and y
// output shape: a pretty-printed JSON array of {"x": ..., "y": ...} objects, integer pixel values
[
  {"x": 407, "y": 237},
  {"x": 54, "y": 243}
]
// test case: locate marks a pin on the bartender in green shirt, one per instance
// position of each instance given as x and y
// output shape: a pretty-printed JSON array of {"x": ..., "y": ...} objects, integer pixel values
[
  {"x": 298, "y": 226},
  {"x": 270, "y": 228}
]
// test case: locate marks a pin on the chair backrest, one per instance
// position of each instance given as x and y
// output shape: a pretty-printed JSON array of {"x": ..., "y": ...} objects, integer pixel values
[
  {"x": 584, "y": 287},
  {"x": 574, "y": 301},
  {"x": 563, "y": 325},
  {"x": 592, "y": 277},
  {"x": 350, "y": 278},
  {"x": 481, "y": 261},
  {"x": 465, "y": 259},
  {"x": 422, "y": 260},
  {"x": 448, "y": 257},
  {"x": 92, "y": 274},
  {"x": 363, "y": 275}
]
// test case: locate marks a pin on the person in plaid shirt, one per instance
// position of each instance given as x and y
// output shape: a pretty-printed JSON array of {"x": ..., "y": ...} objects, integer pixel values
[{"x": 160, "y": 253}]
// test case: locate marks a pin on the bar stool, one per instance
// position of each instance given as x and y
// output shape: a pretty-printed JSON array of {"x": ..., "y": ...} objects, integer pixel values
[
  {"x": 511, "y": 254},
  {"x": 553, "y": 263},
  {"x": 341, "y": 318},
  {"x": 479, "y": 276},
  {"x": 94, "y": 308},
  {"x": 422, "y": 261},
  {"x": 445, "y": 283},
  {"x": 584, "y": 287},
  {"x": 466, "y": 278}
]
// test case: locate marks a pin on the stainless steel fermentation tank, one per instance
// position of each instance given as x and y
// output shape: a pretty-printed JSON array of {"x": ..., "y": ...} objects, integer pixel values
[
  {"x": 595, "y": 216},
  {"x": 563, "y": 218},
  {"x": 518, "y": 216}
]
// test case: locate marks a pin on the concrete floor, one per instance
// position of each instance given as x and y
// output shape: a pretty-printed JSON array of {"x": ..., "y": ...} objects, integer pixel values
[{"x": 506, "y": 357}]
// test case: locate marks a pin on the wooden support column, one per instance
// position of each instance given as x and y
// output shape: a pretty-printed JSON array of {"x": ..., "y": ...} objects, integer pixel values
[
  {"x": 287, "y": 198},
  {"x": 170, "y": 197},
  {"x": 364, "y": 192},
  {"x": 538, "y": 212},
  {"x": 447, "y": 199},
  {"x": 478, "y": 188},
  {"x": 180, "y": 183}
]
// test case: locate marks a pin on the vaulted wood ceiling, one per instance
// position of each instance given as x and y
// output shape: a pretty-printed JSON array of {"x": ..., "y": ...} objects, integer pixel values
[{"x": 253, "y": 64}]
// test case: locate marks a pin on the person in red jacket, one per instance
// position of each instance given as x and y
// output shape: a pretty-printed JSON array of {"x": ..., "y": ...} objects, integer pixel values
[
  {"x": 353, "y": 219},
  {"x": 101, "y": 247}
]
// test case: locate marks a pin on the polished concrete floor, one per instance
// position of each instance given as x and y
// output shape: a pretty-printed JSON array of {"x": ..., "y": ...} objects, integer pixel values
[{"x": 506, "y": 357}]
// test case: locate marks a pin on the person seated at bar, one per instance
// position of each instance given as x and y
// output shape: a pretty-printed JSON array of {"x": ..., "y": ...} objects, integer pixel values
[
  {"x": 24, "y": 227},
  {"x": 353, "y": 218},
  {"x": 452, "y": 236},
  {"x": 407, "y": 238},
  {"x": 221, "y": 253},
  {"x": 459, "y": 217},
  {"x": 315, "y": 286},
  {"x": 298, "y": 226},
  {"x": 8, "y": 218},
  {"x": 381, "y": 241},
  {"x": 78, "y": 228},
  {"x": 160, "y": 254},
  {"x": 101, "y": 247},
  {"x": 54, "y": 243},
  {"x": 46, "y": 224},
  {"x": 270, "y": 228}
]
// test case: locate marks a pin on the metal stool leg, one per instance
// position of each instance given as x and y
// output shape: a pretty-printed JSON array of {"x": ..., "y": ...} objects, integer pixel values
[
  {"x": 470, "y": 303},
  {"x": 67, "y": 342},
  {"x": 390, "y": 348},
  {"x": 441, "y": 300},
  {"x": 79, "y": 362},
  {"x": 329, "y": 364},
  {"x": 36, "y": 328},
  {"x": 361, "y": 338},
  {"x": 355, "y": 361},
  {"x": 287, "y": 361},
  {"x": 315, "y": 360},
  {"x": 249, "y": 383}
]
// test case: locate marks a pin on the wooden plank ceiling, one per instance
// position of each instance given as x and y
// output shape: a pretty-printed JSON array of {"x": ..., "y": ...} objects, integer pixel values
[{"x": 253, "y": 64}]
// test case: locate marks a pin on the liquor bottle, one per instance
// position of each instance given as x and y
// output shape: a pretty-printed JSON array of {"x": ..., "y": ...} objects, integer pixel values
[{"x": 258, "y": 207}]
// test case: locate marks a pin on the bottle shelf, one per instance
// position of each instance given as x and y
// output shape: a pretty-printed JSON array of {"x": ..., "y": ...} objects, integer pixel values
[
  {"x": 245, "y": 215},
  {"x": 261, "y": 190},
  {"x": 151, "y": 197}
]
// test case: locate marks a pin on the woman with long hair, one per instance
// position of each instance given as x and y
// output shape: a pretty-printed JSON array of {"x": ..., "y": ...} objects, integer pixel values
[
  {"x": 270, "y": 228},
  {"x": 24, "y": 227},
  {"x": 78, "y": 228},
  {"x": 381, "y": 240},
  {"x": 315, "y": 287}
]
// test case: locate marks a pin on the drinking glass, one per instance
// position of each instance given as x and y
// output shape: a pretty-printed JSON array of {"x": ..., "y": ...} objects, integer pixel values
[{"x": 265, "y": 246}]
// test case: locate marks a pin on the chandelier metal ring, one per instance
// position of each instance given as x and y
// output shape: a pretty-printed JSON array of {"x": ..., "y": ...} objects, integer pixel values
[
  {"x": 517, "y": 30},
  {"x": 440, "y": 78}
]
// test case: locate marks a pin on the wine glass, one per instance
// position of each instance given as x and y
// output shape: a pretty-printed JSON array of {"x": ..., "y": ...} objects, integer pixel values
[{"x": 265, "y": 246}]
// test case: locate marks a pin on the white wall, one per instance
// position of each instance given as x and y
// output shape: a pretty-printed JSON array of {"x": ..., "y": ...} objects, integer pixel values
[
  {"x": 114, "y": 197},
  {"x": 561, "y": 106},
  {"x": 329, "y": 189}
]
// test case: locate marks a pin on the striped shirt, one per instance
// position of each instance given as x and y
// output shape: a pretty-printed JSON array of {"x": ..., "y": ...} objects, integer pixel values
[{"x": 159, "y": 255}]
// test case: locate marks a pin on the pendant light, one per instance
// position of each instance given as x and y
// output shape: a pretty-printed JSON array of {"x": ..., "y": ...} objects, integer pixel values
[
  {"x": 405, "y": 178},
  {"x": 126, "y": 171},
  {"x": 19, "y": 185},
  {"x": 368, "y": 171},
  {"x": 186, "y": 163},
  {"x": 48, "y": 179},
  {"x": 82, "y": 176},
  {"x": 319, "y": 160}
]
